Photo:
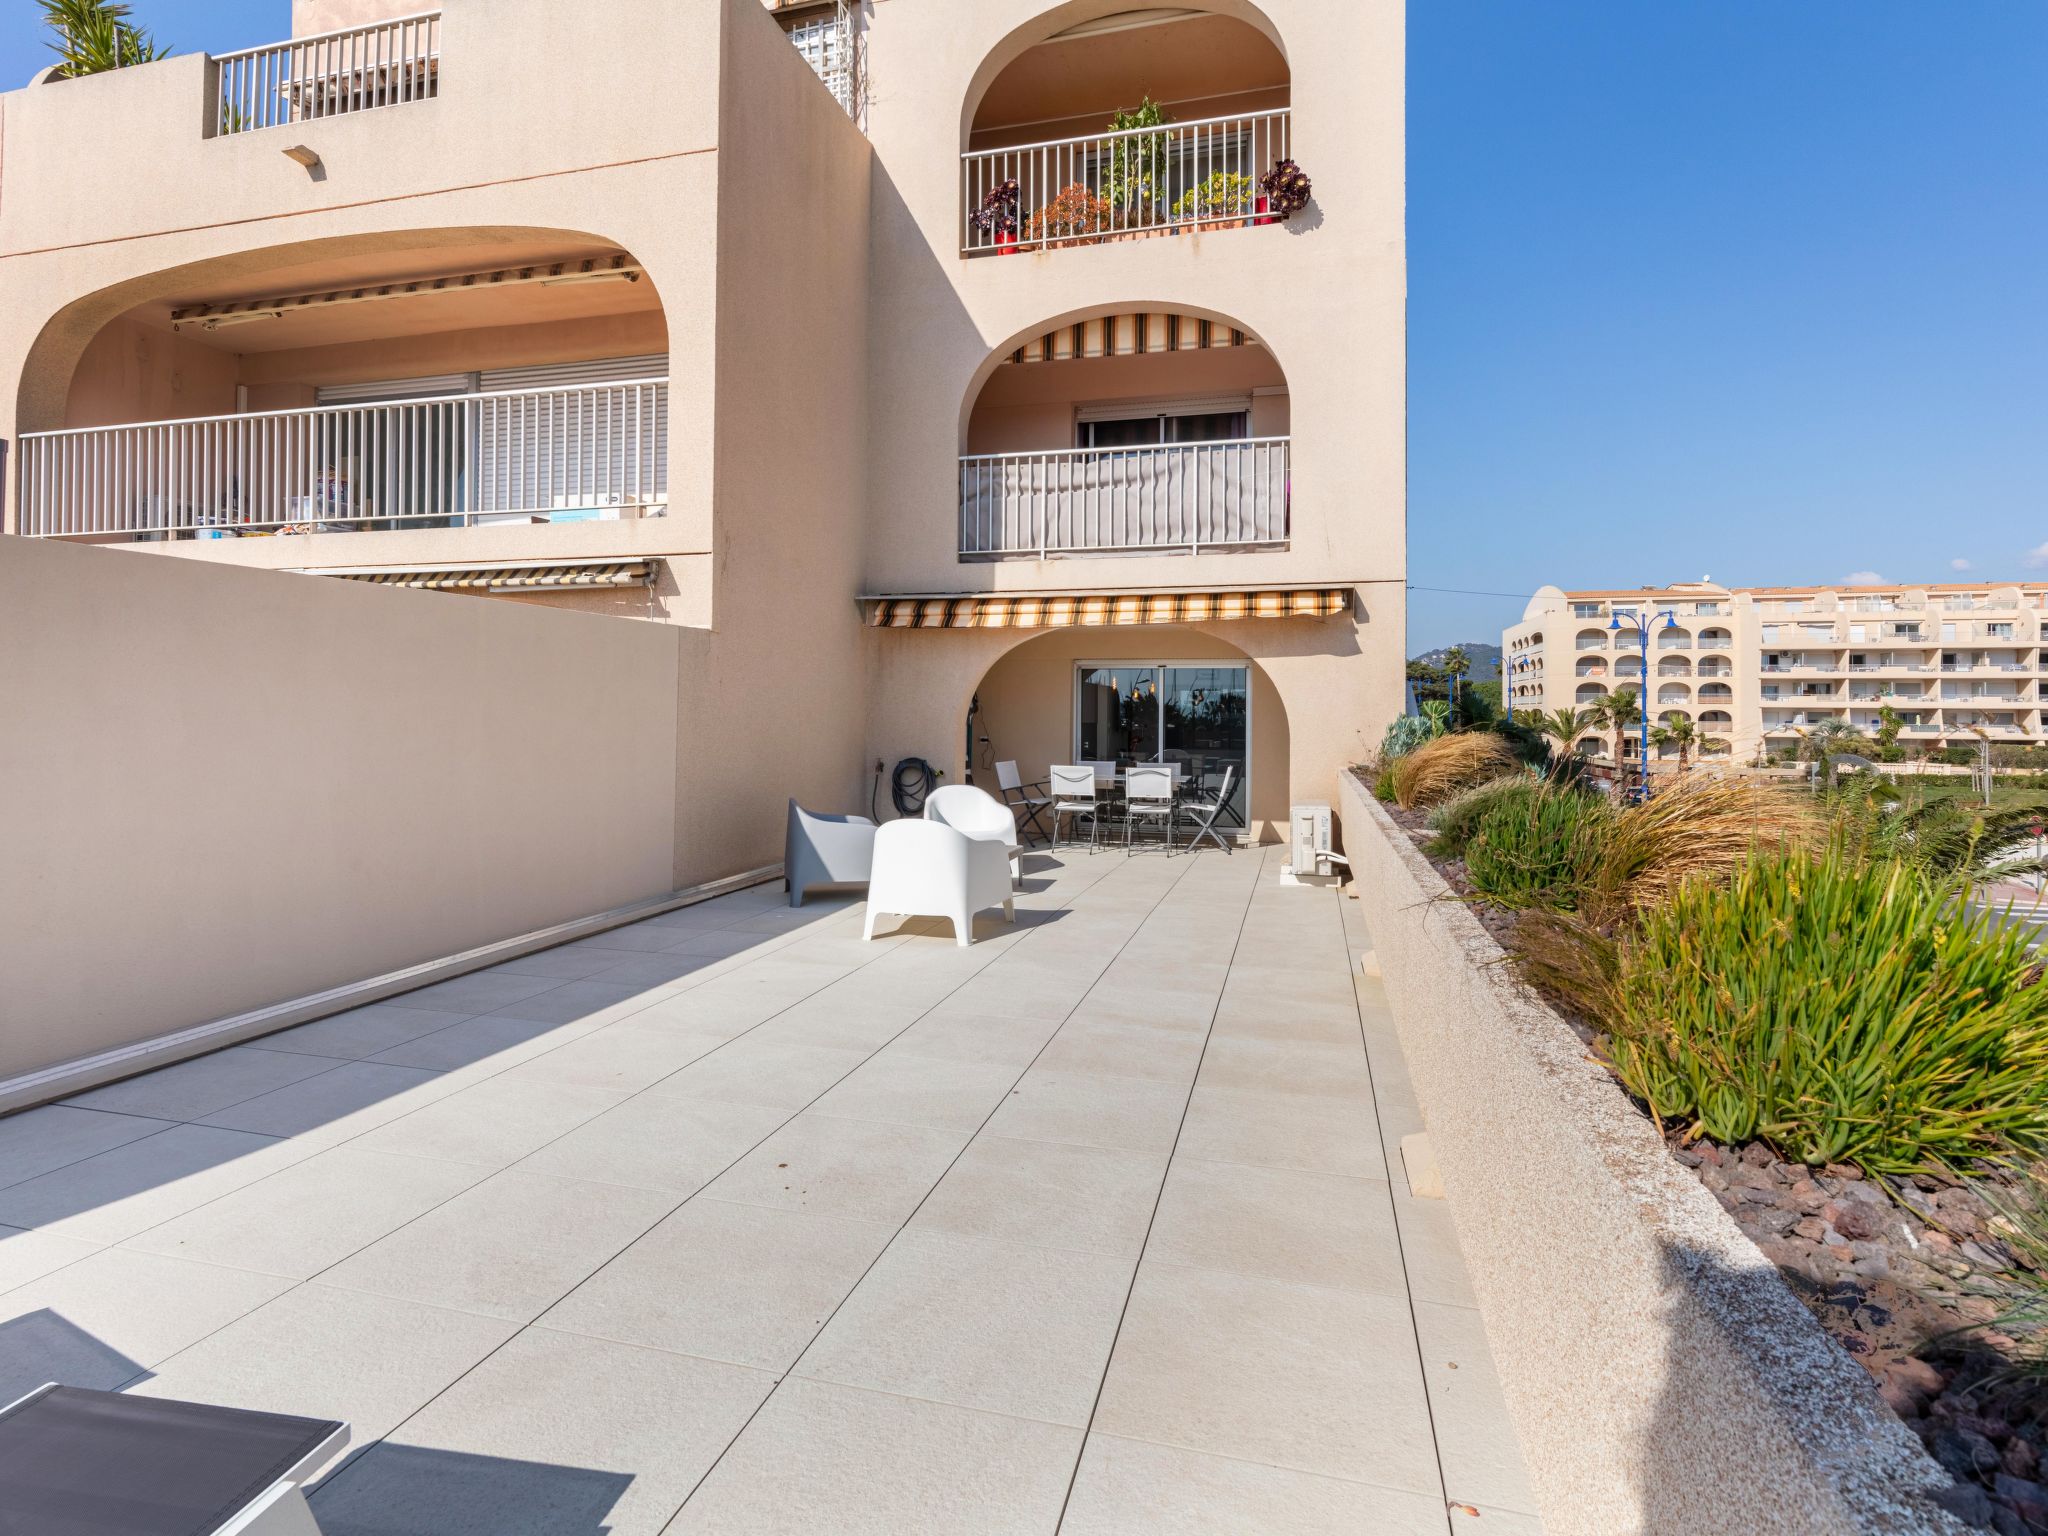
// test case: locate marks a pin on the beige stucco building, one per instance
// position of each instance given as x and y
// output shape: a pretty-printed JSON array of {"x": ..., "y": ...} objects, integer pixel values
[
  {"x": 638, "y": 308},
  {"x": 1754, "y": 667}
]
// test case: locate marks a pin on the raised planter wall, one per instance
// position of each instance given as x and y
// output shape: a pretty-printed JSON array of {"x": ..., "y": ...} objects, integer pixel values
[{"x": 1661, "y": 1376}]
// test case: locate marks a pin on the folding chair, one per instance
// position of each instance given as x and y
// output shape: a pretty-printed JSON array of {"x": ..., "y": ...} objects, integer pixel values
[
  {"x": 1028, "y": 798},
  {"x": 1074, "y": 787},
  {"x": 1148, "y": 793},
  {"x": 1203, "y": 811}
]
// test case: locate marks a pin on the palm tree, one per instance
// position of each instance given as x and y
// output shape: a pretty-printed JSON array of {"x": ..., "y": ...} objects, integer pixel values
[
  {"x": 1676, "y": 731},
  {"x": 1617, "y": 712},
  {"x": 1456, "y": 665},
  {"x": 1564, "y": 726},
  {"x": 94, "y": 36}
]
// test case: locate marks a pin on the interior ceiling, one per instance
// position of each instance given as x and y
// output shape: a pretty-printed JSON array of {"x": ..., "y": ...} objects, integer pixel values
[
  {"x": 1183, "y": 57},
  {"x": 525, "y": 304}
]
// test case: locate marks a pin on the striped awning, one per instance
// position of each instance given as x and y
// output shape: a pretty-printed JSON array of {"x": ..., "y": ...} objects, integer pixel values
[
  {"x": 510, "y": 578},
  {"x": 1066, "y": 610},
  {"x": 1128, "y": 336}
]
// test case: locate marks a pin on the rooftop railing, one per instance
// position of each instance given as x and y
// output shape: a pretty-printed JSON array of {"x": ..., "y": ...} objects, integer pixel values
[
  {"x": 384, "y": 64},
  {"x": 1178, "y": 176},
  {"x": 1176, "y": 496},
  {"x": 576, "y": 453}
]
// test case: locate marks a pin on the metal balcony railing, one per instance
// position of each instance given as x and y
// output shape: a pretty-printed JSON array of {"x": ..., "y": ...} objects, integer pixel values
[
  {"x": 564, "y": 454},
  {"x": 1142, "y": 180},
  {"x": 385, "y": 64},
  {"x": 1173, "y": 497}
]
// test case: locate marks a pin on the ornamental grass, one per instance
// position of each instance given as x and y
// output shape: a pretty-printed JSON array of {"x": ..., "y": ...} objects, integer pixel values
[
  {"x": 1840, "y": 1011},
  {"x": 1539, "y": 849},
  {"x": 1456, "y": 820},
  {"x": 1701, "y": 826},
  {"x": 1438, "y": 769}
]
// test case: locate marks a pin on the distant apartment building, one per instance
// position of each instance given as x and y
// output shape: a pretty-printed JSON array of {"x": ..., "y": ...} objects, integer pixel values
[
  {"x": 849, "y": 339},
  {"x": 1754, "y": 668}
]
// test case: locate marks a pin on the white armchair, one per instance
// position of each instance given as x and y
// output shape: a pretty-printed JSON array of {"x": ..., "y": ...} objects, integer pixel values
[
  {"x": 979, "y": 814},
  {"x": 928, "y": 869},
  {"x": 825, "y": 850}
]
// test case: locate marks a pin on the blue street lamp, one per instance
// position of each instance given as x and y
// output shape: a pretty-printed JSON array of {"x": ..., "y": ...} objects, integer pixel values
[{"x": 1642, "y": 629}]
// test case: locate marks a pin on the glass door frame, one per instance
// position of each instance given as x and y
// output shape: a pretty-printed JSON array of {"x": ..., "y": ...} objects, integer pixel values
[{"x": 1159, "y": 667}]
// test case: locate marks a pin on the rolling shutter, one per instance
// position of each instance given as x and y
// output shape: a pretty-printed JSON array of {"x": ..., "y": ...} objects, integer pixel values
[{"x": 580, "y": 449}]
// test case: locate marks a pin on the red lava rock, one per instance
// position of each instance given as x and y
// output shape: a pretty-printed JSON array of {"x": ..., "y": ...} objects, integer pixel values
[
  {"x": 1757, "y": 1155},
  {"x": 1812, "y": 1228},
  {"x": 1899, "y": 1398},
  {"x": 1855, "y": 1220},
  {"x": 1919, "y": 1377},
  {"x": 1842, "y": 1171},
  {"x": 2020, "y": 1458}
]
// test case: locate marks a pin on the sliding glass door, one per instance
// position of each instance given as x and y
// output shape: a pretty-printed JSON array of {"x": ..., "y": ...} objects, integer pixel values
[{"x": 1197, "y": 714}]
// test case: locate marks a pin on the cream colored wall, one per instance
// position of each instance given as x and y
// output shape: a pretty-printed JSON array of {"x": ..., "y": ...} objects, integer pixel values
[
  {"x": 1027, "y": 706},
  {"x": 772, "y": 692},
  {"x": 133, "y": 372},
  {"x": 924, "y": 679},
  {"x": 1325, "y": 292},
  {"x": 465, "y": 351},
  {"x": 309, "y": 16},
  {"x": 228, "y": 788},
  {"x": 1031, "y": 405}
]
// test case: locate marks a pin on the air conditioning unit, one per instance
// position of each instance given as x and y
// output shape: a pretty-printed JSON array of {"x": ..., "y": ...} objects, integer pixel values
[{"x": 1309, "y": 841}]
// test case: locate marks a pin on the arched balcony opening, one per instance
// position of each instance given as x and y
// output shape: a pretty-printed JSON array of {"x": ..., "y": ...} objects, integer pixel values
[
  {"x": 1715, "y": 691},
  {"x": 1589, "y": 693},
  {"x": 1715, "y": 639},
  {"x": 1592, "y": 666},
  {"x": 1590, "y": 640},
  {"x": 1674, "y": 666},
  {"x": 1674, "y": 693},
  {"x": 1132, "y": 431},
  {"x": 435, "y": 379},
  {"x": 1134, "y": 123},
  {"x": 1673, "y": 639}
]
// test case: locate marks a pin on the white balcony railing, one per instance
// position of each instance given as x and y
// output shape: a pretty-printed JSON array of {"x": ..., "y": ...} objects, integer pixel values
[
  {"x": 1177, "y": 496},
  {"x": 327, "y": 73},
  {"x": 568, "y": 454},
  {"x": 1143, "y": 180}
]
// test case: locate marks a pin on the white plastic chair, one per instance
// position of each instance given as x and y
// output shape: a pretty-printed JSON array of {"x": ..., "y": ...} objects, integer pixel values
[
  {"x": 928, "y": 869},
  {"x": 825, "y": 850},
  {"x": 1073, "y": 796},
  {"x": 1148, "y": 792},
  {"x": 979, "y": 814}
]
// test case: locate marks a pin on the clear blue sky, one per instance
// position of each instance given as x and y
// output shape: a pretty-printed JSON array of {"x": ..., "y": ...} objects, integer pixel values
[{"x": 1755, "y": 289}]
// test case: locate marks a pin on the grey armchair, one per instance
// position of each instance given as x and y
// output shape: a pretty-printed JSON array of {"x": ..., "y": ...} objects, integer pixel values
[{"x": 825, "y": 850}]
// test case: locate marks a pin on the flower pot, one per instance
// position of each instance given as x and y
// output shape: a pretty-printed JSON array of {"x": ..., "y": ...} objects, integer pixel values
[
  {"x": 1006, "y": 244},
  {"x": 1265, "y": 216}
]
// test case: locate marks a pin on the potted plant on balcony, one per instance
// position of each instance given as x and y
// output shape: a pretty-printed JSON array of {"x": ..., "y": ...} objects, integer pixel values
[
  {"x": 997, "y": 216},
  {"x": 1137, "y": 162},
  {"x": 95, "y": 36},
  {"x": 1283, "y": 192},
  {"x": 1075, "y": 217},
  {"x": 1224, "y": 200}
]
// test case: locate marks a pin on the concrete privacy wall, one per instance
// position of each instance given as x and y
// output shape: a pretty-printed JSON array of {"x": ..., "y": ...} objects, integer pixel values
[
  {"x": 225, "y": 788},
  {"x": 1661, "y": 1376}
]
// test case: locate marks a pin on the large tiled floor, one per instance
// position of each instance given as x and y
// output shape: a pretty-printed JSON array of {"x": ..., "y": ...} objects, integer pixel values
[{"x": 730, "y": 1223}]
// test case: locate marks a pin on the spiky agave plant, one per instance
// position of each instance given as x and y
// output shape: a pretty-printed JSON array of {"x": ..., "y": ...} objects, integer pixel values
[{"x": 94, "y": 36}]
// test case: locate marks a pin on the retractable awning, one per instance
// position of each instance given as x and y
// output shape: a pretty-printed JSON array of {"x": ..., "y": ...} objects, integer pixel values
[
  {"x": 508, "y": 578},
  {"x": 1061, "y": 610}
]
